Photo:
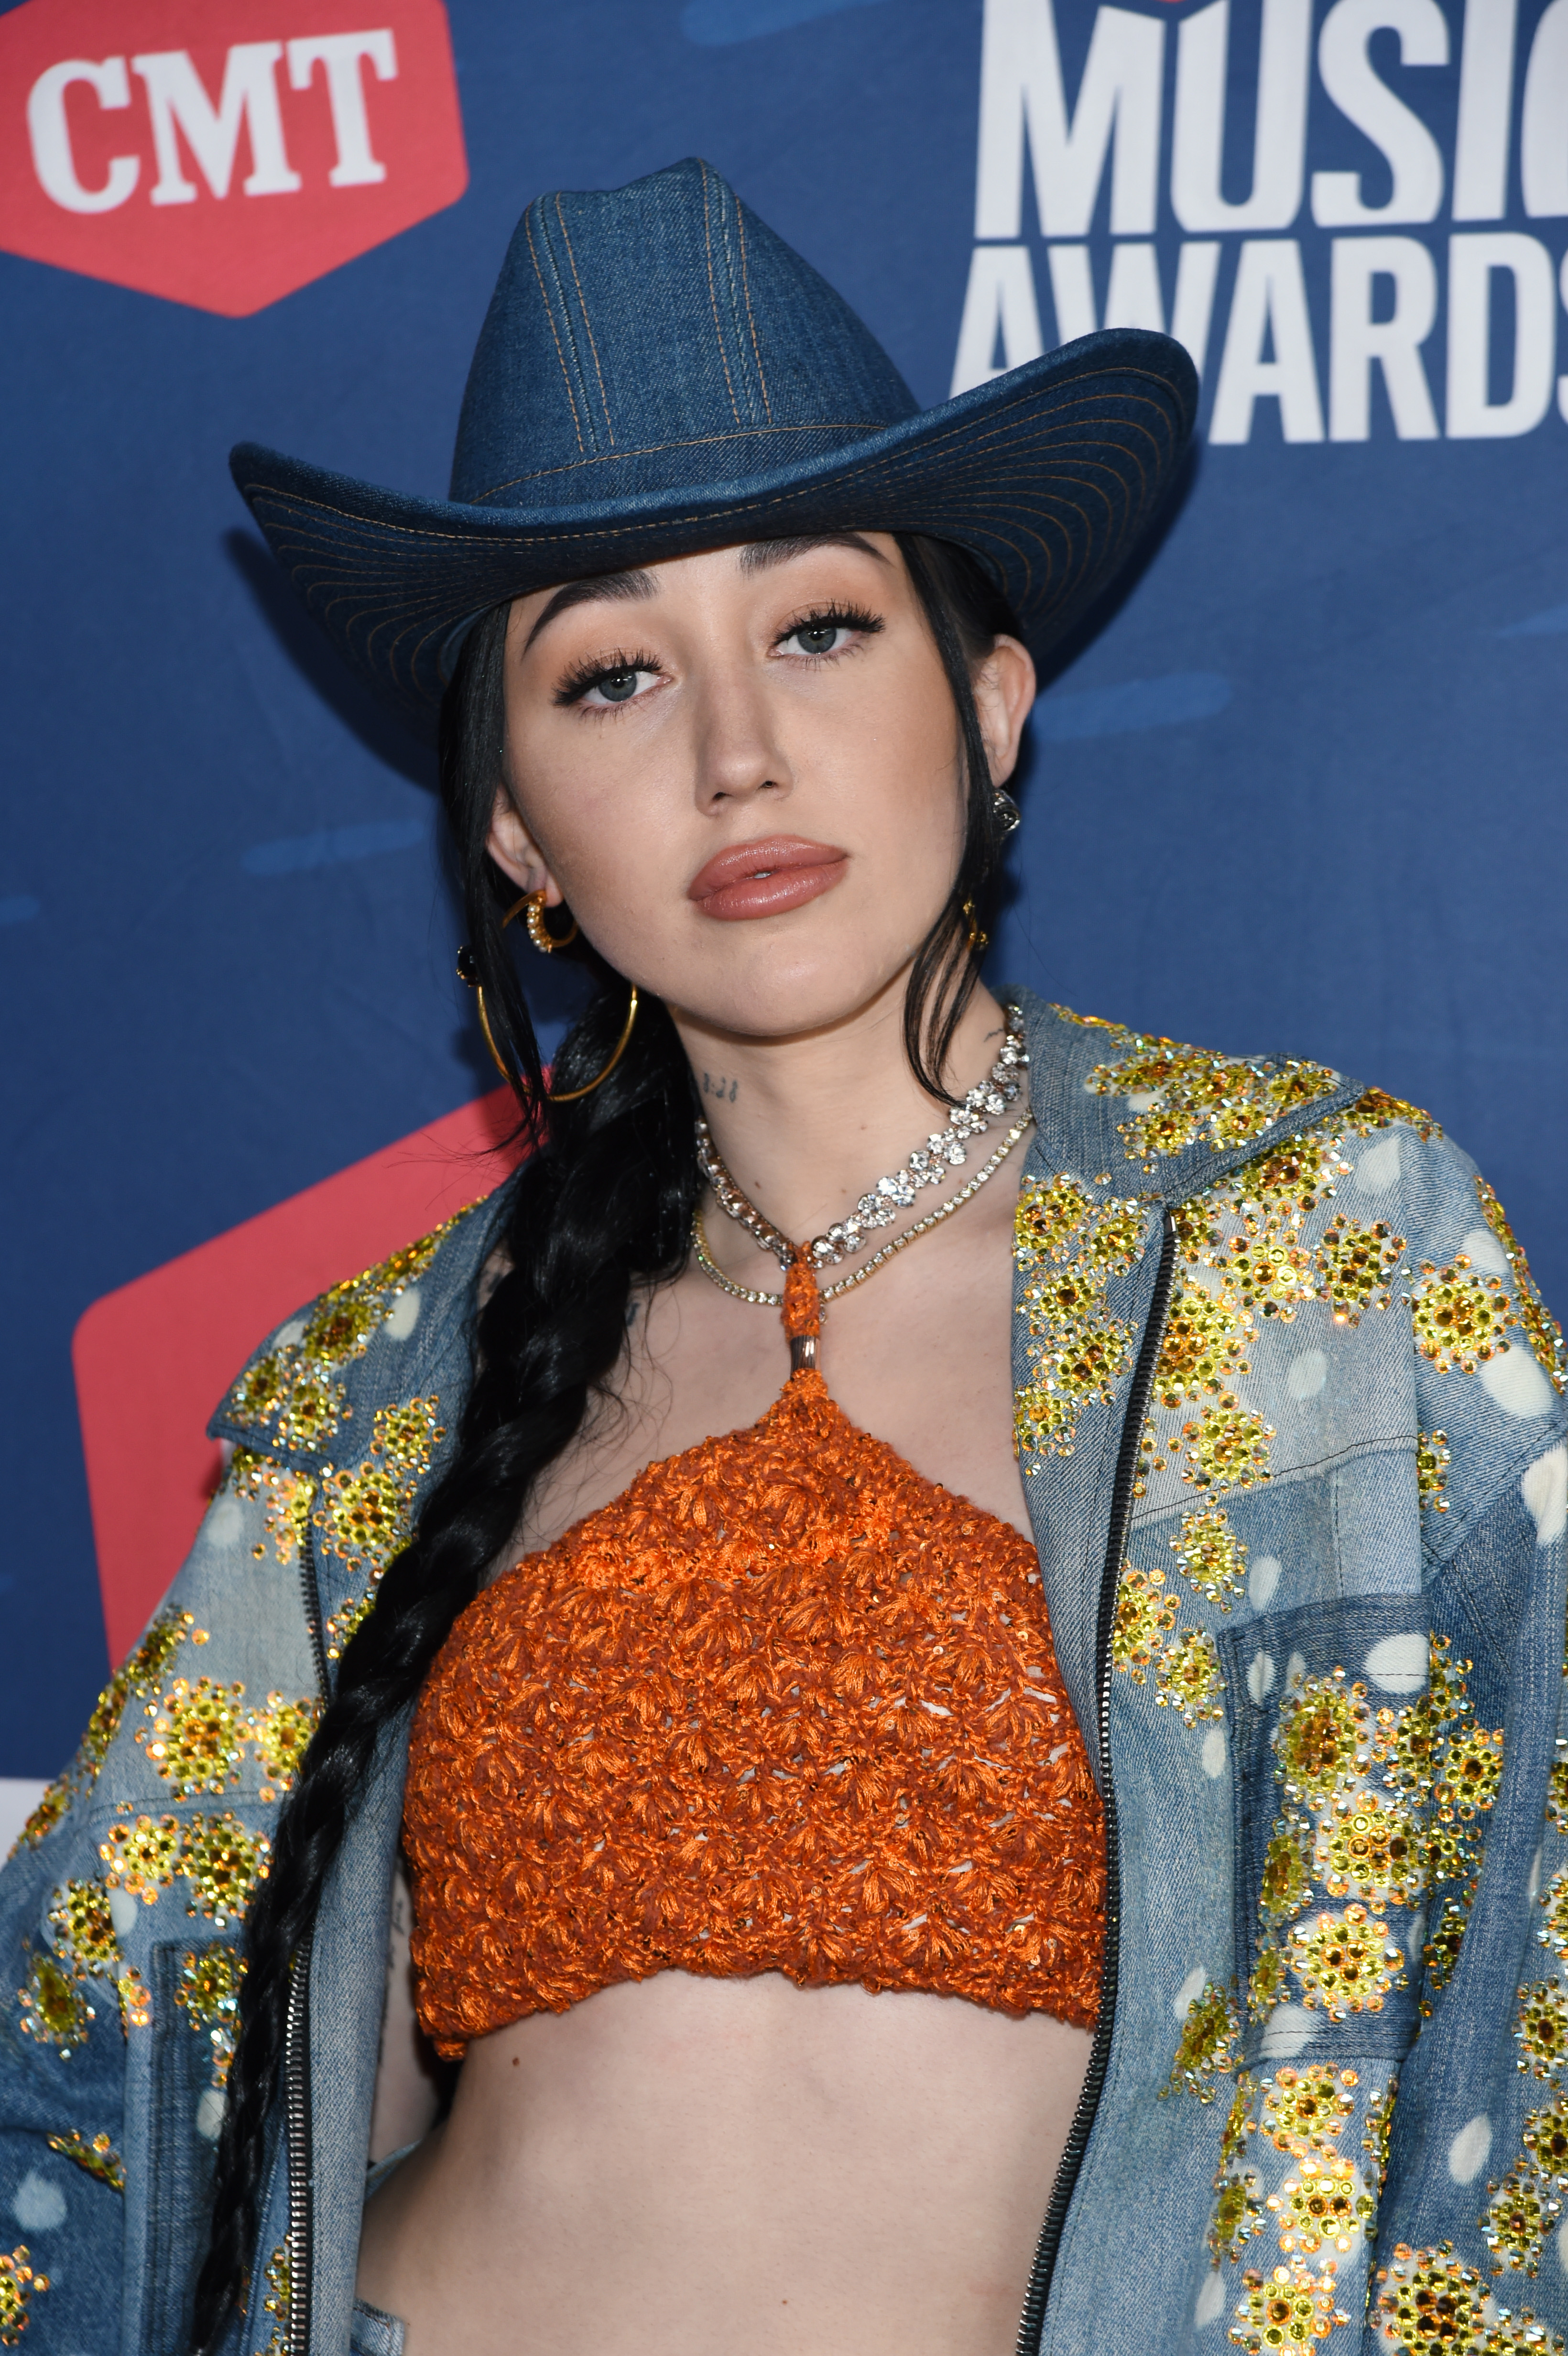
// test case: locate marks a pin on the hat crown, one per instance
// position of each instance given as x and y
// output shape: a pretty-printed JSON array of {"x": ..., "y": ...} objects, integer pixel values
[{"x": 646, "y": 339}]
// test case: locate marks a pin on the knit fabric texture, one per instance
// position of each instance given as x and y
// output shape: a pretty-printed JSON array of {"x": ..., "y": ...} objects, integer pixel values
[{"x": 784, "y": 1705}]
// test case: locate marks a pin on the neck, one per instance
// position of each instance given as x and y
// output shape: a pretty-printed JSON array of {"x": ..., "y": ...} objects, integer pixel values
[{"x": 808, "y": 1122}]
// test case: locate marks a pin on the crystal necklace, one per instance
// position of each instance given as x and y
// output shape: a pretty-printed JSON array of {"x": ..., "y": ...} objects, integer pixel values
[{"x": 943, "y": 1150}]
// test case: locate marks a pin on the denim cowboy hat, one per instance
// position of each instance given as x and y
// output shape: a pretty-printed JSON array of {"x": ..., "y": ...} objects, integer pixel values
[{"x": 657, "y": 373}]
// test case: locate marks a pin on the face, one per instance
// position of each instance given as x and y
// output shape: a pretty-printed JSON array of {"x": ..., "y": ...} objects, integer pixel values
[{"x": 740, "y": 770}]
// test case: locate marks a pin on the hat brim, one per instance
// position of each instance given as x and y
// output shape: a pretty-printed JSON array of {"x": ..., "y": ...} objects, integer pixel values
[{"x": 1053, "y": 474}]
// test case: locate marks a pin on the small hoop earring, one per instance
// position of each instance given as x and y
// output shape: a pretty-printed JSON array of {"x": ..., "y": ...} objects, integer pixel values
[
  {"x": 468, "y": 971},
  {"x": 540, "y": 933},
  {"x": 979, "y": 940},
  {"x": 1004, "y": 811}
]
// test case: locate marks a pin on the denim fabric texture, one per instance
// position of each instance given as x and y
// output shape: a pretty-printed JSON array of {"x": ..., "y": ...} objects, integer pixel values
[
  {"x": 660, "y": 372},
  {"x": 1386, "y": 1532},
  {"x": 371, "y": 2333}
]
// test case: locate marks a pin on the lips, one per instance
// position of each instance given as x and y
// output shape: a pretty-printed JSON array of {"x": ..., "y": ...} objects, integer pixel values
[{"x": 766, "y": 878}]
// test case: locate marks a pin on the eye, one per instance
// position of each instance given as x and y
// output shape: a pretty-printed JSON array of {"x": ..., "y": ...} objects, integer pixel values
[
  {"x": 616, "y": 686},
  {"x": 832, "y": 632},
  {"x": 601, "y": 685},
  {"x": 818, "y": 637}
]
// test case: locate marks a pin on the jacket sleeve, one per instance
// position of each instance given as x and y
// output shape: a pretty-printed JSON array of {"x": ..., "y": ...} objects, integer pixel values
[
  {"x": 121, "y": 1907},
  {"x": 120, "y": 1910},
  {"x": 1468, "y": 2224}
]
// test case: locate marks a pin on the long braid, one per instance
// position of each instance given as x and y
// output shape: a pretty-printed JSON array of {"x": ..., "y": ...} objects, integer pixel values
[{"x": 604, "y": 1204}]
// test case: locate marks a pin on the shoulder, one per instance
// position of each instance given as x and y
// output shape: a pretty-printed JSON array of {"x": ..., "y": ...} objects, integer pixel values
[
  {"x": 1182, "y": 1115},
  {"x": 400, "y": 1331}
]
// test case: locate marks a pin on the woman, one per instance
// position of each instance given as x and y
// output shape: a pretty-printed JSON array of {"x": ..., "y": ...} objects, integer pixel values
[{"x": 852, "y": 1815}]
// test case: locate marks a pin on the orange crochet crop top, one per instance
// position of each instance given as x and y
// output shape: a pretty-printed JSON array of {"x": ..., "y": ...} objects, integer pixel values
[{"x": 784, "y": 1705}]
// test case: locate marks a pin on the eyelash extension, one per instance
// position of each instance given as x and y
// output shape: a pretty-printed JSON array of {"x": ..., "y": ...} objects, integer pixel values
[
  {"x": 584, "y": 675},
  {"x": 836, "y": 617}
]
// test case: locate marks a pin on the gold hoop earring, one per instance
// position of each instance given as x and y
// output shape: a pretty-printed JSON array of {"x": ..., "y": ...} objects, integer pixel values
[
  {"x": 979, "y": 940},
  {"x": 540, "y": 933},
  {"x": 467, "y": 972}
]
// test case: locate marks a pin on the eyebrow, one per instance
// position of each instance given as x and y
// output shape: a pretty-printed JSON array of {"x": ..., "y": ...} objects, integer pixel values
[
  {"x": 760, "y": 554},
  {"x": 756, "y": 556},
  {"x": 636, "y": 583}
]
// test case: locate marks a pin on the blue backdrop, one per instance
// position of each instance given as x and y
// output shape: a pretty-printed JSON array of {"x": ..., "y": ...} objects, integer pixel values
[{"x": 1302, "y": 792}]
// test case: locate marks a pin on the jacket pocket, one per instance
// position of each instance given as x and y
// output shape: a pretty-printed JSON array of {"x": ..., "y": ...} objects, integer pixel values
[
  {"x": 191, "y": 2012},
  {"x": 1339, "y": 1724}
]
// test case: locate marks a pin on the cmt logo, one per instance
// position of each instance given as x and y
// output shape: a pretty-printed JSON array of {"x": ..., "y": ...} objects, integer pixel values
[{"x": 224, "y": 155}]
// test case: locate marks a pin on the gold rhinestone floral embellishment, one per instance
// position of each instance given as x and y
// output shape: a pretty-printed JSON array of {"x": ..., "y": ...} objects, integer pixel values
[
  {"x": 278, "y": 2298},
  {"x": 1291, "y": 2308},
  {"x": 83, "y": 1929},
  {"x": 1205, "y": 1335},
  {"x": 222, "y": 1863},
  {"x": 1471, "y": 1771},
  {"x": 1459, "y": 1319},
  {"x": 1428, "y": 2299},
  {"x": 1304, "y": 2110},
  {"x": 1354, "y": 1265},
  {"x": 1377, "y": 1110},
  {"x": 1238, "y": 2215},
  {"x": 1188, "y": 1677},
  {"x": 286, "y": 1500},
  {"x": 1518, "y": 2217},
  {"x": 1541, "y": 1329},
  {"x": 1213, "y": 1556},
  {"x": 1540, "y": 2028},
  {"x": 1369, "y": 1847},
  {"x": 1346, "y": 1963},
  {"x": 366, "y": 1514},
  {"x": 1068, "y": 1248},
  {"x": 97, "y": 2156},
  {"x": 141, "y": 1674},
  {"x": 282, "y": 1733},
  {"x": 1324, "y": 2205},
  {"x": 1183, "y": 1094},
  {"x": 1324, "y": 1738},
  {"x": 1431, "y": 1462},
  {"x": 142, "y": 1857},
  {"x": 209, "y": 1989},
  {"x": 18, "y": 2286},
  {"x": 197, "y": 1740},
  {"x": 1227, "y": 1448},
  {"x": 1144, "y": 1615},
  {"x": 1286, "y": 1879},
  {"x": 54, "y": 2010},
  {"x": 1207, "y": 2050},
  {"x": 1544, "y": 2143}
]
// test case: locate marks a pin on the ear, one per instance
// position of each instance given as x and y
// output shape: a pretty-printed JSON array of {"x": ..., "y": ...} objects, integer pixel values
[
  {"x": 515, "y": 852},
  {"x": 1004, "y": 697}
]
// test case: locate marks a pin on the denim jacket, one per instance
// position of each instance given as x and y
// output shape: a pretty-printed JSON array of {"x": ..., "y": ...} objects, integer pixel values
[{"x": 1290, "y": 1420}]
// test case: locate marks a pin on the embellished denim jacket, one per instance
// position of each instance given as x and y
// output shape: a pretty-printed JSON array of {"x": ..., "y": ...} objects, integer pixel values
[{"x": 1290, "y": 1420}]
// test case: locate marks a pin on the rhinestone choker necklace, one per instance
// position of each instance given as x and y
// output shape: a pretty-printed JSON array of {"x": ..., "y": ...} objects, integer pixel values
[{"x": 945, "y": 1149}]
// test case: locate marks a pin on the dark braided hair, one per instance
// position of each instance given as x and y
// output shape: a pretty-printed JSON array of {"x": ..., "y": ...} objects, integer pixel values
[{"x": 604, "y": 1204}]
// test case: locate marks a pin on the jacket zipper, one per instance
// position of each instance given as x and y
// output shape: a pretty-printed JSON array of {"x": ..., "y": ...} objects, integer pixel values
[
  {"x": 296, "y": 2043},
  {"x": 296, "y": 2127},
  {"x": 1032, "y": 2321}
]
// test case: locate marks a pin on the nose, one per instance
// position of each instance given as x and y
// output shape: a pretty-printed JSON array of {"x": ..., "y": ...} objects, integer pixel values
[{"x": 738, "y": 756}]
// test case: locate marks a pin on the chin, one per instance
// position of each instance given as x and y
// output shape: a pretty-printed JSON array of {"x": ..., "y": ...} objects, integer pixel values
[{"x": 786, "y": 1007}]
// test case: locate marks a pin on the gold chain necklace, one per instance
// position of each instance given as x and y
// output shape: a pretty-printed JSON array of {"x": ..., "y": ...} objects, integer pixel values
[
  {"x": 760, "y": 1300},
  {"x": 944, "y": 1151}
]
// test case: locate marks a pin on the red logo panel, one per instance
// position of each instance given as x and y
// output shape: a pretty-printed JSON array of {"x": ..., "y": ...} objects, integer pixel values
[
  {"x": 153, "y": 1360},
  {"x": 223, "y": 155}
]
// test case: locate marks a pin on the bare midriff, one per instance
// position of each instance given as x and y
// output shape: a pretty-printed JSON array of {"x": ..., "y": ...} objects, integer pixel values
[
  {"x": 693, "y": 2167},
  {"x": 759, "y": 1882}
]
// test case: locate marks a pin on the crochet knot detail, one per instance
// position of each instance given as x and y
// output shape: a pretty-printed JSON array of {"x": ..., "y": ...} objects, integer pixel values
[{"x": 802, "y": 1301}]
